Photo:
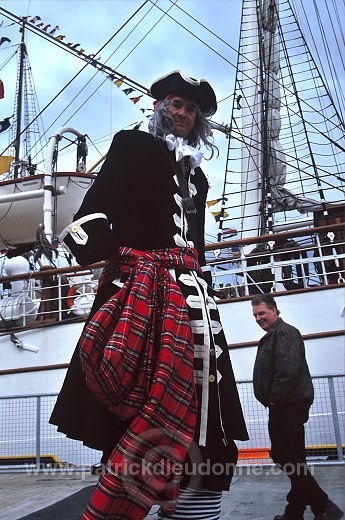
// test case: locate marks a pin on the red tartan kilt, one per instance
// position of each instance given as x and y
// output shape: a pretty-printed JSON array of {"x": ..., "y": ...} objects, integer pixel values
[
  {"x": 117, "y": 376},
  {"x": 135, "y": 344}
]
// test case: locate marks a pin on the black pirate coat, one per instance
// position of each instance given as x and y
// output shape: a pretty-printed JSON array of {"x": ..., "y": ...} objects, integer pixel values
[{"x": 136, "y": 202}]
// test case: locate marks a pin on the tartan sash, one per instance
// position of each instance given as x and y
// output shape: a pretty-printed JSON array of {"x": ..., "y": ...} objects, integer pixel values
[{"x": 137, "y": 355}]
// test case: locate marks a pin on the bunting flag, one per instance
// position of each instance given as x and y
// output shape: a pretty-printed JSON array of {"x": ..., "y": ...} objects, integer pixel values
[
  {"x": 118, "y": 82},
  {"x": 53, "y": 31},
  {"x": 93, "y": 60},
  {"x": 2, "y": 90},
  {"x": 5, "y": 163},
  {"x": 128, "y": 91},
  {"x": 73, "y": 45},
  {"x": 229, "y": 232},
  {"x": 4, "y": 39},
  {"x": 150, "y": 110},
  {"x": 90, "y": 57},
  {"x": 213, "y": 202},
  {"x": 217, "y": 215},
  {"x": 5, "y": 124},
  {"x": 136, "y": 99}
]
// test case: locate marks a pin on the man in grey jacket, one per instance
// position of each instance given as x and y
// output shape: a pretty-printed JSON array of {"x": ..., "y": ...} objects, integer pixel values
[{"x": 282, "y": 383}]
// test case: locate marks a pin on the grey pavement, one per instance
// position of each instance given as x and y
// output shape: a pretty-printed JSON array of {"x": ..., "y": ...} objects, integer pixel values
[{"x": 257, "y": 492}]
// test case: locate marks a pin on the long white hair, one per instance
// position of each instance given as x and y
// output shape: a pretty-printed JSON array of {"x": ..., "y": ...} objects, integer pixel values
[{"x": 162, "y": 123}]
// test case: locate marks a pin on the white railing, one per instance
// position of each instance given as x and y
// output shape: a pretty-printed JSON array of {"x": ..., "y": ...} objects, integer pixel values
[
  {"x": 47, "y": 296},
  {"x": 310, "y": 258}
]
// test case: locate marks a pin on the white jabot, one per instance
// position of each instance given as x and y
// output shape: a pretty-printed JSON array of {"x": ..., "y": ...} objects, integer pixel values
[{"x": 183, "y": 149}]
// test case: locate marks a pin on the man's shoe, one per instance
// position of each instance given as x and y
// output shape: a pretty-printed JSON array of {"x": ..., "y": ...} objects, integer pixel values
[
  {"x": 285, "y": 516},
  {"x": 331, "y": 512}
]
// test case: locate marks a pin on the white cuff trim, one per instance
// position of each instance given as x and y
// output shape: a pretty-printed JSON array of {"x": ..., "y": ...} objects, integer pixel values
[{"x": 77, "y": 232}]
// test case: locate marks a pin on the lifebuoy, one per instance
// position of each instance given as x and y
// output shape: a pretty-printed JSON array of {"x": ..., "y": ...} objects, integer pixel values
[{"x": 79, "y": 299}]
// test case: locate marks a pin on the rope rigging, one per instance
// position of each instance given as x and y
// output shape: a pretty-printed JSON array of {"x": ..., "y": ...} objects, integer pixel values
[
  {"x": 20, "y": 21},
  {"x": 314, "y": 102},
  {"x": 335, "y": 32}
]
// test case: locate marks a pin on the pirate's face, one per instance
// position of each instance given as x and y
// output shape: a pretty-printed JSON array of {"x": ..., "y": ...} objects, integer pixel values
[{"x": 184, "y": 112}]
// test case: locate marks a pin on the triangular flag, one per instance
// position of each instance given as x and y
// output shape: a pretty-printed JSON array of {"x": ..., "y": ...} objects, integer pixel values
[
  {"x": 128, "y": 91},
  {"x": 212, "y": 202},
  {"x": 135, "y": 99},
  {"x": 118, "y": 82},
  {"x": 53, "y": 31},
  {"x": 217, "y": 215},
  {"x": 2, "y": 90}
]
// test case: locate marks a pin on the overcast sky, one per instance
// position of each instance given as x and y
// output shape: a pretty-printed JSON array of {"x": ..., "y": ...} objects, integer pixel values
[{"x": 91, "y": 23}]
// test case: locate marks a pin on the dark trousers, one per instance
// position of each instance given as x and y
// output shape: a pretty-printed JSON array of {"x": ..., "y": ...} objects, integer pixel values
[{"x": 286, "y": 429}]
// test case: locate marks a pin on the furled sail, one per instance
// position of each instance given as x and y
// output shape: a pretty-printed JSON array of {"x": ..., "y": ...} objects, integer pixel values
[{"x": 281, "y": 198}]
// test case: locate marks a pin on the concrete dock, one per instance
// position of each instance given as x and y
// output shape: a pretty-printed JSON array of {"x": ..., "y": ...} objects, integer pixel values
[{"x": 257, "y": 492}]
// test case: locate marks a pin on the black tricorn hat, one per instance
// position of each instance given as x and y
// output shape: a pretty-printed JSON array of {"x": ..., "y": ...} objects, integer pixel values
[{"x": 198, "y": 90}]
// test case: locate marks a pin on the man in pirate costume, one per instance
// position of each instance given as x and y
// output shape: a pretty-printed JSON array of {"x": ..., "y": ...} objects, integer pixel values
[{"x": 150, "y": 383}]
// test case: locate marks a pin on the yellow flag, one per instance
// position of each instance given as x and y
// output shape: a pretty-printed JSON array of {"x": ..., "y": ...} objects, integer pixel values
[
  {"x": 212, "y": 202},
  {"x": 218, "y": 214},
  {"x": 5, "y": 163},
  {"x": 118, "y": 82}
]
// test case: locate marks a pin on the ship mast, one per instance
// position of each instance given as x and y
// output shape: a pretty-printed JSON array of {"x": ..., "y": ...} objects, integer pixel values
[
  {"x": 25, "y": 110},
  {"x": 19, "y": 103}
]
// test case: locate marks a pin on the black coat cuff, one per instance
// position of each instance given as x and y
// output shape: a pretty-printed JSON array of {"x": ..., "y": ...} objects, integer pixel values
[{"x": 90, "y": 240}]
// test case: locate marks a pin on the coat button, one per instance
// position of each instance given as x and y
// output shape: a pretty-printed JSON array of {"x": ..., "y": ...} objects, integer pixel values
[
  {"x": 211, "y": 379},
  {"x": 75, "y": 229},
  {"x": 212, "y": 352}
]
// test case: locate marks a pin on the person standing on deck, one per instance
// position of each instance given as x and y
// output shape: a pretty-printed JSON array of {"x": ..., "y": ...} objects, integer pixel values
[
  {"x": 282, "y": 383},
  {"x": 151, "y": 383}
]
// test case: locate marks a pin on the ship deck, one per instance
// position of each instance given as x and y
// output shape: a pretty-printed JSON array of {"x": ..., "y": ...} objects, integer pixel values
[{"x": 257, "y": 492}]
